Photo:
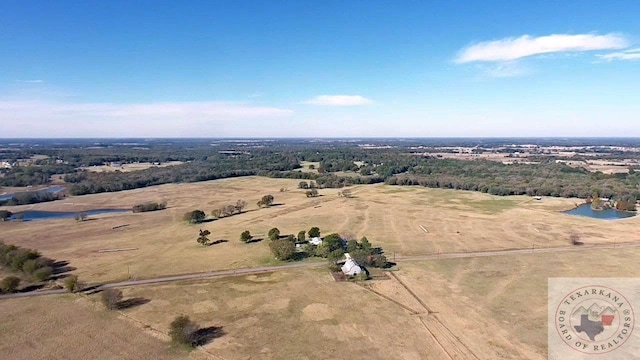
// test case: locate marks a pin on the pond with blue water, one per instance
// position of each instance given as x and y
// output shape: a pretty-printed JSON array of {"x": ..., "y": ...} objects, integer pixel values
[
  {"x": 609, "y": 214},
  {"x": 52, "y": 215}
]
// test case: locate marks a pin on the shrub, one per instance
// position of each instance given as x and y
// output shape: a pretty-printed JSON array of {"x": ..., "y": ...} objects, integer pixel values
[
  {"x": 245, "y": 236},
  {"x": 5, "y": 215},
  {"x": 274, "y": 234},
  {"x": 301, "y": 236},
  {"x": 42, "y": 273},
  {"x": 72, "y": 284},
  {"x": 9, "y": 284},
  {"x": 314, "y": 232},
  {"x": 81, "y": 216},
  {"x": 182, "y": 330},
  {"x": 110, "y": 298},
  {"x": 30, "y": 266}
]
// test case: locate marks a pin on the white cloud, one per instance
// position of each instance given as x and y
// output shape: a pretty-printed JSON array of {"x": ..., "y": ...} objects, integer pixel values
[
  {"x": 35, "y": 81},
  {"x": 339, "y": 100},
  {"x": 20, "y": 118},
  {"x": 631, "y": 54},
  {"x": 515, "y": 48}
]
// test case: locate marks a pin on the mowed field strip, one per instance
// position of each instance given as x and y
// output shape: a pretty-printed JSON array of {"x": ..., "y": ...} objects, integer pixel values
[{"x": 390, "y": 216}]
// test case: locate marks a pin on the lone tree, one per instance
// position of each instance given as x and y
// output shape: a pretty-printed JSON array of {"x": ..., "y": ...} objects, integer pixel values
[
  {"x": 195, "y": 216},
  {"x": 301, "y": 236},
  {"x": 312, "y": 193},
  {"x": 314, "y": 232},
  {"x": 282, "y": 249},
  {"x": 111, "y": 298},
  {"x": 9, "y": 284},
  {"x": 182, "y": 331},
  {"x": 5, "y": 215},
  {"x": 245, "y": 236},
  {"x": 303, "y": 185},
  {"x": 274, "y": 234},
  {"x": 203, "y": 237},
  {"x": 240, "y": 205},
  {"x": 266, "y": 201}
]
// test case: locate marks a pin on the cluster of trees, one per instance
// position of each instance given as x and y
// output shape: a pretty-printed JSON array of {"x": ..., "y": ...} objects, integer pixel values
[
  {"x": 20, "y": 176},
  {"x": 149, "y": 206},
  {"x": 546, "y": 179},
  {"x": 365, "y": 254},
  {"x": 229, "y": 210},
  {"x": 266, "y": 201},
  {"x": 27, "y": 262},
  {"x": 307, "y": 185},
  {"x": 195, "y": 216}
]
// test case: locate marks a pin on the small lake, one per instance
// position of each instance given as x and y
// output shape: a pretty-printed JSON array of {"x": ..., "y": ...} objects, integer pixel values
[
  {"x": 51, "y": 190},
  {"x": 52, "y": 215},
  {"x": 609, "y": 214}
]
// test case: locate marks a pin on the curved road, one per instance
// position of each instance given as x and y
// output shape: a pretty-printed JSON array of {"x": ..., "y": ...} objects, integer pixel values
[{"x": 258, "y": 270}]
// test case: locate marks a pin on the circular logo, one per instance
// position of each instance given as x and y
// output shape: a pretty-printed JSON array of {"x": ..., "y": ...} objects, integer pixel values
[{"x": 594, "y": 319}]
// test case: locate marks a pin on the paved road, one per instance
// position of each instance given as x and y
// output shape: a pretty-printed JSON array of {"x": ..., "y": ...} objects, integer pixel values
[{"x": 258, "y": 270}]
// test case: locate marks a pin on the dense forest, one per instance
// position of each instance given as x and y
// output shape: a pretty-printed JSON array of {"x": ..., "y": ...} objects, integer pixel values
[{"x": 339, "y": 163}]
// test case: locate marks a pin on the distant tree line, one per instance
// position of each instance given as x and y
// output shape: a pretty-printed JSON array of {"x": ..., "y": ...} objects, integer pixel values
[
  {"x": 549, "y": 179},
  {"x": 26, "y": 198}
]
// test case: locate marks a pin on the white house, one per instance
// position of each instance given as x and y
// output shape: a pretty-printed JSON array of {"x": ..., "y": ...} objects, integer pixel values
[
  {"x": 315, "y": 241},
  {"x": 350, "y": 266}
]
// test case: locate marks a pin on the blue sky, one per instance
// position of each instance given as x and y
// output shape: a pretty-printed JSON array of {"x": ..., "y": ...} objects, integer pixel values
[{"x": 323, "y": 68}]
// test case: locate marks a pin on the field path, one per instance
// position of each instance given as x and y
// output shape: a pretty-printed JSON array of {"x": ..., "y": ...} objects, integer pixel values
[{"x": 264, "y": 269}]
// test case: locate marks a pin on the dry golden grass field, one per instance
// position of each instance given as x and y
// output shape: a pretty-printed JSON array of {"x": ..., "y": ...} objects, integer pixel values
[
  {"x": 69, "y": 327},
  {"x": 498, "y": 305},
  {"x": 472, "y": 308},
  {"x": 402, "y": 220}
]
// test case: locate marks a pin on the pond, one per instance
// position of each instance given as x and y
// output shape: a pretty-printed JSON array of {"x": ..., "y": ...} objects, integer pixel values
[
  {"x": 52, "y": 215},
  {"x": 609, "y": 214},
  {"x": 51, "y": 190}
]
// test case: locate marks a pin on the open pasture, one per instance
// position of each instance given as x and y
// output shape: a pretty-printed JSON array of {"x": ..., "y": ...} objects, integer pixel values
[
  {"x": 404, "y": 221},
  {"x": 68, "y": 327}
]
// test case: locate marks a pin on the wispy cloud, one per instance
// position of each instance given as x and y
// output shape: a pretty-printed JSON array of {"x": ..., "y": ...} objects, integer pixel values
[
  {"x": 29, "y": 117},
  {"x": 631, "y": 54},
  {"x": 504, "y": 70},
  {"x": 212, "y": 110},
  {"x": 338, "y": 100},
  {"x": 510, "y": 49},
  {"x": 35, "y": 81}
]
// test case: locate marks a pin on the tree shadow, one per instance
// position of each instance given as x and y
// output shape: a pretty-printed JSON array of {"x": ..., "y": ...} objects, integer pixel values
[
  {"x": 206, "y": 221},
  {"x": 31, "y": 288},
  {"x": 221, "y": 241},
  {"x": 61, "y": 267},
  {"x": 299, "y": 256},
  {"x": 204, "y": 336},
  {"x": 131, "y": 303},
  {"x": 254, "y": 240}
]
